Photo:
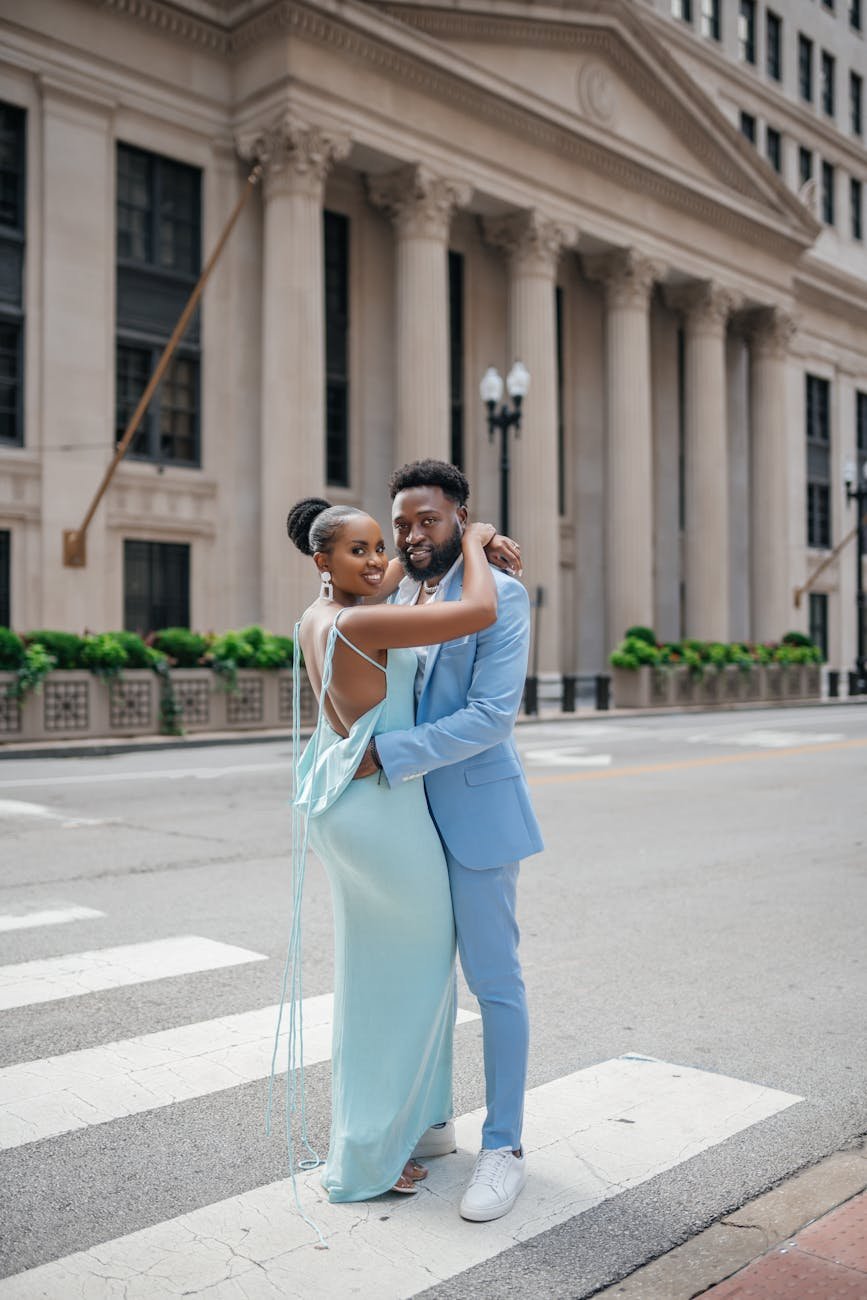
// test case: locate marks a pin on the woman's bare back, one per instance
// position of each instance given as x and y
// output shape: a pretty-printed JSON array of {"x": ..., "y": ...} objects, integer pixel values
[{"x": 356, "y": 685}]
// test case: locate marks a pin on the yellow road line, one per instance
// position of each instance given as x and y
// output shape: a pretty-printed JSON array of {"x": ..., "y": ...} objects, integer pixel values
[{"x": 682, "y": 764}]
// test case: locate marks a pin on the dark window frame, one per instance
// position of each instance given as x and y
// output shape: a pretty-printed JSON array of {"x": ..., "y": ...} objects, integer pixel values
[
  {"x": 711, "y": 23},
  {"x": 856, "y": 103},
  {"x": 828, "y": 81},
  {"x": 559, "y": 355},
  {"x": 774, "y": 147},
  {"x": 818, "y": 439},
  {"x": 5, "y": 577},
  {"x": 856, "y": 208},
  {"x": 150, "y": 296},
  {"x": 336, "y": 234},
  {"x": 154, "y": 562},
  {"x": 829, "y": 202},
  {"x": 805, "y": 68},
  {"x": 747, "y": 31},
  {"x": 13, "y": 233},
  {"x": 748, "y": 126},
  {"x": 805, "y": 164},
  {"x": 682, "y": 10},
  {"x": 773, "y": 45},
  {"x": 855, "y": 15},
  {"x": 457, "y": 365},
  {"x": 818, "y": 621}
]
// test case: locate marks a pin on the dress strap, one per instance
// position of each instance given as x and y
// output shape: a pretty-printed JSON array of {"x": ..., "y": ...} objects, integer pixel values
[{"x": 346, "y": 641}]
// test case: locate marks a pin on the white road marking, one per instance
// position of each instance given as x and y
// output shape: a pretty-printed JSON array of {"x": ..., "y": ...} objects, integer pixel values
[
  {"x": 12, "y": 808},
  {"x": 48, "y": 916},
  {"x": 588, "y": 1137},
  {"x": 40, "y": 1099},
  {"x": 26, "y": 983},
  {"x": 567, "y": 756},
  {"x": 768, "y": 739},
  {"x": 156, "y": 774}
]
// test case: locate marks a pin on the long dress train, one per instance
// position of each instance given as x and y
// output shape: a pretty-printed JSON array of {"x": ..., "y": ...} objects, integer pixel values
[{"x": 394, "y": 943}]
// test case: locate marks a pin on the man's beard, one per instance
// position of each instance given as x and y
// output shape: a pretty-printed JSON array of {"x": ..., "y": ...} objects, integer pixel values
[{"x": 440, "y": 560}]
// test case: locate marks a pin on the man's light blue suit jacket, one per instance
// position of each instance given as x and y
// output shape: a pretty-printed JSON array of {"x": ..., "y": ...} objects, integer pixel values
[{"x": 462, "y": 742}]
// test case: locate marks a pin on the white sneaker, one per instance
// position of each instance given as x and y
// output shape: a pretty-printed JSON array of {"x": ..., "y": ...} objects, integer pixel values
[
  {"x": 436, "y": 1141},
  {"x": 498, "y": 1178}
]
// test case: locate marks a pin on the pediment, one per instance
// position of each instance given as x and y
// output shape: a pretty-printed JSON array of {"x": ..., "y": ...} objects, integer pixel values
[{"x": 598, "y": 67}]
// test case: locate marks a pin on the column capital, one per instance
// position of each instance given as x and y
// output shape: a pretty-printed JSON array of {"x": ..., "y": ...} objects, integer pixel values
[
  {"x": 769, "y": 331},
  {"x": 419, "y": 203},
  {"x": 294, "y": 155},
  {"x": 531, "y": 241},
  {"x": 705, "y": 304},
  {"x": 627, "y": 276}
]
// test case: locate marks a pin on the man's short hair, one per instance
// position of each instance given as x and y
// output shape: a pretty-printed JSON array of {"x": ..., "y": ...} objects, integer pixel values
[{"x": 431, "y": 473}]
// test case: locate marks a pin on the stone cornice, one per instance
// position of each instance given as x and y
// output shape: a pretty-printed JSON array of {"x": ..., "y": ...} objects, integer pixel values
[
  {"x": 419, "y": 203},
  {"x": 171, "y": 20},
  {"x": 842, "y": 296},
  {"x": 530, "y": 240},
  {"x": 626, "y": 275}
]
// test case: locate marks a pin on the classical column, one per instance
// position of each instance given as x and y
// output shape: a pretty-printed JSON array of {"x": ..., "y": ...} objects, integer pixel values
[
  {"x": 706, "y": 308},
  {"x": 532, "y": 245},
  {"x": 296, "y": 158},
  {"x": 770, "y": 332},
  {"x": 421, "y": 206},
  {"x": 628, "y": 280}
]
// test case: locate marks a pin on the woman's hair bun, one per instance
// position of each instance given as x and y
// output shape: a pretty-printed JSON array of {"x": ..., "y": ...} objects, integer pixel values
[{"x": 301, "y": 519}]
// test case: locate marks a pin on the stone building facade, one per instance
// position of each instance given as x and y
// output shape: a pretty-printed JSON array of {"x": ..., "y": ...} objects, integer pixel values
[{"x": 656, "y": 206}]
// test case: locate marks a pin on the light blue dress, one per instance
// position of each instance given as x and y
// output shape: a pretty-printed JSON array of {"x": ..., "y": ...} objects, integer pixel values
[{"x": 394, "y": 943}]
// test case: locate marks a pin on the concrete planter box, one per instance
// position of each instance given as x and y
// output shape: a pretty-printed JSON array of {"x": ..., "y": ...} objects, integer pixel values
[
  {"x": 648, "y": 688},
  {"x": 76, "y": 705}
]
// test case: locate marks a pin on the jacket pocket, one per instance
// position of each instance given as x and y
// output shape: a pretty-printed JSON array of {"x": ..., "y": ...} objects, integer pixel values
[{"x": 497, "y": 769}]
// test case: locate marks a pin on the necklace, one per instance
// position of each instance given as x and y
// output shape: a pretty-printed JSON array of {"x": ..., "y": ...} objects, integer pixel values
[{"x": 430, "y": 591}]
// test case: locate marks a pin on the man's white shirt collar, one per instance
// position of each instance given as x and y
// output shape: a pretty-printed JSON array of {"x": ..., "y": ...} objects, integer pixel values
[{"x": 409, "y": 587}]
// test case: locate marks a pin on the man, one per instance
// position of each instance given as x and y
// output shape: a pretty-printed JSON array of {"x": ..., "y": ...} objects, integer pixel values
[{"x": 468, "y": 693}]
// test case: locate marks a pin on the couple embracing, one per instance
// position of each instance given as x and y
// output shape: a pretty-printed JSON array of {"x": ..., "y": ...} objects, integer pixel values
[{"x": 416, "y": 803}]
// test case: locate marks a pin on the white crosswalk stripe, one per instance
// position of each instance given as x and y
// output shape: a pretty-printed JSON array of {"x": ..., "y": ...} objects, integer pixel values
[
  {"x": 40, "y": 1099},
  {"x": 588, "y": 1137},
  {"x": 27, "y": 983},
  {"x": 59, "y": 915}
]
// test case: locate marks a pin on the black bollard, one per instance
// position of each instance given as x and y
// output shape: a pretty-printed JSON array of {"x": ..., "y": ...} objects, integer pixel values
[
  {"x": 603, "y": 691},
  {"x": 833, "y": 684},
  {"x": 570, "y": 685},
  {"x": 531, "y": 695}
]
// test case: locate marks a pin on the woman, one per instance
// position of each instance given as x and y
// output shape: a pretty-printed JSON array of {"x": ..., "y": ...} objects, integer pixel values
[{"x": 394, "y": 931}]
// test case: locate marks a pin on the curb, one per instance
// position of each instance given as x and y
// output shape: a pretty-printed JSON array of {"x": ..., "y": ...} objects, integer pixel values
[
  {"x": 105, "y": 746},
  {"x": 748, "y": 1233}
]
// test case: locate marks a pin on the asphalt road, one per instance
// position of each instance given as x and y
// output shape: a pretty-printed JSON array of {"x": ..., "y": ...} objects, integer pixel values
[{"x": 701, "y": 900}]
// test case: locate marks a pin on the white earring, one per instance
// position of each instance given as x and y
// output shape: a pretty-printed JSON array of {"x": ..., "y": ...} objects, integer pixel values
[{"x": 326, "y": 591}]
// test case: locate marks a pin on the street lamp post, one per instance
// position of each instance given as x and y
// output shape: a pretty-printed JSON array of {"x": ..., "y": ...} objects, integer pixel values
[
  {"x": 857, "y": 492},
  {"x": 491, "y": 390}
]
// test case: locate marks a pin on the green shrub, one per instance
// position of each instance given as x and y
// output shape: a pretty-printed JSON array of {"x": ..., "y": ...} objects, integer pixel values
[
  {"x": 103, "y": 655},
  {"x": 11, "y": 650},
  {"x": 36, "y": 664},
  {"x": 66, "y": 647},
  {"x": 797, "y": 639},
  {"x": 184, "y": 648},
  {"x": 138, "y": 653},
  {"x": 640, "y": 634},
  {"x": 274, "y": 652},
  {"x": 255, "y": 636}
]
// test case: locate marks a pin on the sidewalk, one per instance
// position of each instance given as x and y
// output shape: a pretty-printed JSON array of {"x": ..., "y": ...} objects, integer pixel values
[{"x": 805, "y": 1239}]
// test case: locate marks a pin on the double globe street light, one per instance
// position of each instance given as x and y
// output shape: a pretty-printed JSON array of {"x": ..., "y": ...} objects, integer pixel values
[
  {"x": 857, "y": 492},
  {"x": 504, "y": 419}
]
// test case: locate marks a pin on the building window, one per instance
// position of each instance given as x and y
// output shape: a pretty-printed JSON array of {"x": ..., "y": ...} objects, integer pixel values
[
  {"x": 774, "y": 148},
  {"x": 819, "y": 621},
  {"x": 336, "y": 275},
  {"x": 561, "y": 405},
  {"x": 805, "y": 165},
  {"x": 829, "y": 4},
  {"x": 12, "y": 234},
  {"x": 748, "y": 127},
  {"x": 805, "y": 68},
  {"x": 158, "y": 261},
  {"x": 856, "y": 103},
  {"x": 855, "y": 15},
  {"x": 456, "y": 357},
  {"x": 747, "y": 31},
  {"x": 828, "y": 181},
  {"x": 156, "y": 586},
  {"x": 856, "y": 208},
  {"x": 818, "y": 462},
  {"x": 774, "y": 45},
  {"x": 828, "y": 82},
  {"x": 710, "y": 19},
  {"x": 5, "y": 578},
  {"x": 682, "y": 9}
]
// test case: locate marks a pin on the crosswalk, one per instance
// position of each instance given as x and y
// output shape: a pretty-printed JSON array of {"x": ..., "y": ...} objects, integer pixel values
[{"x": 590, "y": 1135}]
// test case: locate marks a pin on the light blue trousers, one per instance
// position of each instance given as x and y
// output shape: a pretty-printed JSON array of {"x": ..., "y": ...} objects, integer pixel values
[{"x": 484, "y": 907}]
